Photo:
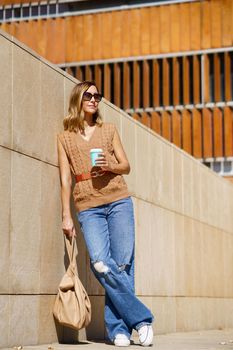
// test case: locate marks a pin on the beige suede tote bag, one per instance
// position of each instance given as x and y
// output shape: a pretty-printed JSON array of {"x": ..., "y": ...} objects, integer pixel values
[{"x": 72, "y": 306}]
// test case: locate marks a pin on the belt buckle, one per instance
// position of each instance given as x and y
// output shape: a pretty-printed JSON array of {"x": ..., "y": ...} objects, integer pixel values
[{"x": 97, "y": 173}]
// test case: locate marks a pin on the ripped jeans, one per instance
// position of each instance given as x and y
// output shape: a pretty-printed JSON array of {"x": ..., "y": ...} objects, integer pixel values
[{"x": 109, "y": 234}]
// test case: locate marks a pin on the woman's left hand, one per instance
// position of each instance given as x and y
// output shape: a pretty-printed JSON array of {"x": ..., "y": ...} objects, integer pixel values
[{"x": 102, "y": 162}]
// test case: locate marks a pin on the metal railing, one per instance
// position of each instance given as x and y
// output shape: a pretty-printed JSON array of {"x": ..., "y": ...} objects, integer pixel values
[
  {"x": 171, "y": 81},
  {"x": 186, "y": 97}
]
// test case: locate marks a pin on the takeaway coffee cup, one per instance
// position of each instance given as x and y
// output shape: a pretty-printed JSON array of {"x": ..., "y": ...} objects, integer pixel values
[{"x": 94, "y": 152}]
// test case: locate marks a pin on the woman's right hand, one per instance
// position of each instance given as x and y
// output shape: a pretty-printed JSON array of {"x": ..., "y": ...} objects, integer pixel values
[{"x": 68, "y": 227}]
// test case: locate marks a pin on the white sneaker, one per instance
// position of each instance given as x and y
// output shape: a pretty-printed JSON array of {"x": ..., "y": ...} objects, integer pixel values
[
  {"x": 121, "y": 340},
  {"x": 146, "y": 335}
]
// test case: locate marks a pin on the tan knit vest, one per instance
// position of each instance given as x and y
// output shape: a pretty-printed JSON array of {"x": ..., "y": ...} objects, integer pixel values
[{"x": 98, "y": 190}]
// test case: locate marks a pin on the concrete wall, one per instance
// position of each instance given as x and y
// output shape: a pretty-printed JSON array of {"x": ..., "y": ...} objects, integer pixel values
[{"x": 184, "y": 222}]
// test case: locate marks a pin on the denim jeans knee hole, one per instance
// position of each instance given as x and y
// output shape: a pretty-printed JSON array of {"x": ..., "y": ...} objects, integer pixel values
[
  {"x": 100, "y": 267},
  {"x": 122, "y": 267}
]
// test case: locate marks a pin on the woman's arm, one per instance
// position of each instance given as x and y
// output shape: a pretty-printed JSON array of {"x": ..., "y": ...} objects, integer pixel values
[
  {"x": 66, "y": 184},
  {"x": 123, "y": 166}
]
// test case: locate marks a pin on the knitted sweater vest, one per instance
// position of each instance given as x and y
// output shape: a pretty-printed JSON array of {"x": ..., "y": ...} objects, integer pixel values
[{"x": 98, "y": 190}]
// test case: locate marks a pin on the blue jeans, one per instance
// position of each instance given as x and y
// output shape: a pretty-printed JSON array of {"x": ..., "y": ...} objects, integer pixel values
[{"x": 109, "y": 235}]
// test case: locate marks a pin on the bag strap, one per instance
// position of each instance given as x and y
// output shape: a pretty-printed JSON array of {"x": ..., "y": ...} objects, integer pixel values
[{"x": 72, "y": 249}]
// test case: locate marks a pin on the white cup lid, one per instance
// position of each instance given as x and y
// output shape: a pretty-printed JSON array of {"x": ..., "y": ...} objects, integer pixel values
[{"x": 96, "y": 150}]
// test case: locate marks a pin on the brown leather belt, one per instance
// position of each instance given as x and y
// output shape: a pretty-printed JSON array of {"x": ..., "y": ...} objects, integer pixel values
[{"x": 89, "y": 175}]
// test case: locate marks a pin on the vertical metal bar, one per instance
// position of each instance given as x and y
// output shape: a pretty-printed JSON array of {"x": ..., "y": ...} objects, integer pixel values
[
  {"x": 107, "y": 82},
  {"x": 145, "y": 84},
  {"x": 136, "y": 84},
  {"x": 202, "y": 78},
  {"x": 30, "y": 10},
  {"x": 117, "y": 84},
  {"x": 57, "y": 8}
]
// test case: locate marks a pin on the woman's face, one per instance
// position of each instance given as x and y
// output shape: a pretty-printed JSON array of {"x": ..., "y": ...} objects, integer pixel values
[{"x": 89, "y": 103}]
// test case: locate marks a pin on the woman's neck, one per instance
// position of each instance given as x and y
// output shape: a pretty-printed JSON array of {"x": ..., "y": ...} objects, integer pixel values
[{"x": 88, "y": 120}]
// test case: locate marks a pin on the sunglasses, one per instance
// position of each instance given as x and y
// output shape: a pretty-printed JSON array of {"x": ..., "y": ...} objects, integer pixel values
[{"x": 87, "y": 96}]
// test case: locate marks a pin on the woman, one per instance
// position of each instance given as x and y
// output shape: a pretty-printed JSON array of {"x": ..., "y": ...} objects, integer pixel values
[{"x": 104, "y": 211}]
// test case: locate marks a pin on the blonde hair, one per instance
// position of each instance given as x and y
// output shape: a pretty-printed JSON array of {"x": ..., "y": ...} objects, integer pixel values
[{"x": 75, "y": 119}]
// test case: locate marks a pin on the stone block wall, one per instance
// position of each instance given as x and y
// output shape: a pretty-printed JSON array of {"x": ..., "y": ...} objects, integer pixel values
[{"x": 183, "y": 213}]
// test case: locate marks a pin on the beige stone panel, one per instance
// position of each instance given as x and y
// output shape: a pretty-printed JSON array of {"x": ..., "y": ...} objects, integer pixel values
[
  {"x": 196, "y": 190},
  {"x": 52, "y": 107},
  {"x": 111, "y": 114},
  {"x": 190, "y": 314},
  {"x": 135, "y": 204},
  {"x": 208, "y": 283},
  {"x": 228, "y": 263},
  {"x": 200, "y": 313},
  {"x": 143, "y": 248},
  {"x": 188, "y": 257},
  {"x": 226, "y": 270},
  {"x": 167, "y": 176},
  {"x": 219, "y": 202},
  {"x": 179, "y": 233},
  {"x": 197, "y": 251},
  {"x": 164, "y": 312},
  {"x": 188, "y": 180},
  {"x": 68, "y": 86},
  {"x": 6, "y": 92},
  {"x": 163, "y": 252},
  {"x": 218, "y": 313},
  {"x": 204, "y": 193},
  {"x": 228, "y": 307},
  {"x": 230, "y": 196},
  {"x": 155, "y": 169},
  {"x": 27, "y": 123},
  {"x": 220, "y": 283},
  {"x": 212, "y": 262},
  {"x": 5, "y": 192},
  {"x": 230, "y": 266},
  {"x": 230, "y": 219},
  {"x": 192, "y": 273},
  {"x": 128, "y": 141},
  {"x": 25, "y": 225},
  {"x": 177, "y": 187},
  {"x": 52, "y": 243},
  {"x": 226, "y": 213},
  {"x": 4, "y": 320},
  {"x": 215, "y": 311},
  {"x": 24, "y": 320},
  {"x": 212, "y": 199},
  {"x": 143, "y": 154},
  {"x": 48, "y": 329},
  {"x": 218, "y": 240},
  {"x": 96, "y": 329}
]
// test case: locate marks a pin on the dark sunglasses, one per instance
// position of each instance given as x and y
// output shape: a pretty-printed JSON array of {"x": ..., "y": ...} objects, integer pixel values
[{"x": 87, "y": 96}]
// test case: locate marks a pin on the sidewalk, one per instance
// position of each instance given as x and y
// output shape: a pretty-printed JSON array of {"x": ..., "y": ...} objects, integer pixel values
[{"x": 200, "y": 340}]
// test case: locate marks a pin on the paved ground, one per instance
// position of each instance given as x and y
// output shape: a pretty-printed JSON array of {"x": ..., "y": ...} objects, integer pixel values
[{"x": 203, "y": 340}]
